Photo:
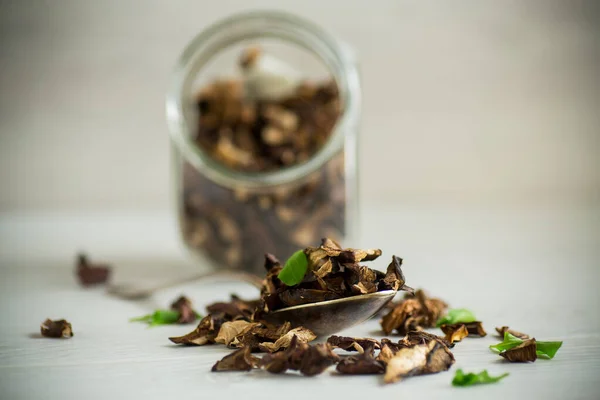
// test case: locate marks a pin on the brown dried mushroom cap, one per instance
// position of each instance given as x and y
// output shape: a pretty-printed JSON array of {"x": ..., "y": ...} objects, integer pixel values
[
  {"x": 183, "y": 306},
  {"x": 235, "y": 308},
  {"x": 389, "y": 349},
  {"x": 455, "y": 332},
  {"x": 363, "y": 364},
  {"x": 394, "y": 277},
  {"x": 353, "y": 344},
  {"x": 413, "y": 313},
  {"x": 420, "y": 337},
  {"x": 317, "y": 359},
  {"x": 230, "y": 330},
  {"x": 418, "y": 360},
  {"x": 89, "y": 273},
  {"x": 280, "y": 362},
  {"x": 302, "y": 334},
  {"x": 518, "y": 334},
  {"x": 309, "y": 360},
  {"x": 239, "y": 360},
  {"x": 56, "y": 329},
  {"x": 524, "y": 352},
  {"x": 475, "y": 328},
  {"x": 205, "y": 333}
]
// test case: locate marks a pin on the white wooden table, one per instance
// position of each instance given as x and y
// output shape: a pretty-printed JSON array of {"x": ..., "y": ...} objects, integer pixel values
[{"x": 534, "y": 269}]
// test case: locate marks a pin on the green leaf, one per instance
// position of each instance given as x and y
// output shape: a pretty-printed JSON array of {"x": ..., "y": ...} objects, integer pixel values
[
  {"x": 159, "y": 317},
  {"x": 294, "y": 270},
  {"x": 547, "y": 349},
  {"x": 508, "y": 343},
  {"x": 455, "y": 316},
  {"x": 469, "y": 379}
]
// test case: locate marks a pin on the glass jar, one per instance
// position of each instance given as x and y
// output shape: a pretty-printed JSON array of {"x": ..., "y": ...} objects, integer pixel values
[{"x": 231, "y": 217}]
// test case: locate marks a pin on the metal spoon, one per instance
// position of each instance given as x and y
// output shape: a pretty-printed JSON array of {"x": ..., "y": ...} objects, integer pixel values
[{"x": 323, "y": 318}]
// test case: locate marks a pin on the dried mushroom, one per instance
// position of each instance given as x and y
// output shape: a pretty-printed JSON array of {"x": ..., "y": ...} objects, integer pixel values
[
  {"x": 461, "y": 330},
  {"x": 239, "y": 360},
  {"x": 317, "y": 359},
  {"x": 418, "y": 360},
  {"x": 353, "y": 344},
  {"x": 205, "y": 332},
  {"x": 387, "y": 352},
  {"x": 518, "y": 334},
  {"x": 91, "y": 274},
  {"x": 309, "y": 360},
  {"x": 362, "y": 364},
  {"x": 455, "y": 332},
  {"x": 413, "y": 313},
  {"x": 421, "y": 337},
  {"x": 394, "y": 278},
  {"x": 475, "y": 328},
  {"x": 232, "y": 329},
  {"x": 235, "y": 308},
  {"x": 56, "y": 329},
  {"x": 323, "y": 273},
  {"x": 183, "y": 306},
  {"x": 523, "y": 352},
  {"x": 301, "y": 334}
]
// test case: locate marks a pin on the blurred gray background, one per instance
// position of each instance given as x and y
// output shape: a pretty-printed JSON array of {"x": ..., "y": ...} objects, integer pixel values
[{"x": 465, "y": 102}]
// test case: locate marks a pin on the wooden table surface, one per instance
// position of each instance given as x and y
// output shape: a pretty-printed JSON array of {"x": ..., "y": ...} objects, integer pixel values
[{"x": 535, "y": 269}]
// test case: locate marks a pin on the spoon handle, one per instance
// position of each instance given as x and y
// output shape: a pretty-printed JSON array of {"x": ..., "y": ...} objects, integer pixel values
[{"x": 132, "y": 292}]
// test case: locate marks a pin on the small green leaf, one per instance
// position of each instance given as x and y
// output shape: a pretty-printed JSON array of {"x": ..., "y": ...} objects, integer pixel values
[
  {"x": 159, "y": 317},
  {"x": 469, "y": 379},
  {"x": 455, "y": 316},
  {"x": 294, "y": 270},
  {"x": 547, "y": 349},
  {"x": 508, "y": 343}
]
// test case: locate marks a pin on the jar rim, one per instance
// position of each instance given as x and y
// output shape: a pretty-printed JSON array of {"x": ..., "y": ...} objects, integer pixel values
[{"x": 334, "y": 54}]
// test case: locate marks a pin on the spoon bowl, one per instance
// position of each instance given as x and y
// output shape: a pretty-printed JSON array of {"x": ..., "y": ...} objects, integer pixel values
[{"x": 328, "y": 317}]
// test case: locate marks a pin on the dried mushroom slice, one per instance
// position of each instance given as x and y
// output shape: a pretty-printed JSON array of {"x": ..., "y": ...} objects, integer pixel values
[
  {"x": 389, "y": 349},
  {"x": 239, "y": 360},
  {"x": 91, "y": 274},
  {"x": 316, "y": 359},
  {"x": 277, "y": 363},
  {"x": 394, "y": 277},
  {"x": 420, "y": 337},
  {"x": 56, "y": 329},
  {"x": 205, "y": 333},
  {"x": 353, "y": 344},
  {"x": 183, "y": 306},
  {"x": 309, "y": 360},
  {"x": 301, "y": 334},
  {"x": 413, "y": 313},
  {"x": 230, "y": 330},
  {"x": 271, "y": 262},
  {"x": 455, "y": 332},
  {"x": 439, "y": 358},
  {"x": 234, "y": 309},
  {"x": 418, "y": 360},
  {"x": 518, "y": 334},
  {"x": 475, "y": 328},
  {"x": 362, "y": 364},
  {"x": 407, "y": 362},
  {"x": 524, "y": 352}
]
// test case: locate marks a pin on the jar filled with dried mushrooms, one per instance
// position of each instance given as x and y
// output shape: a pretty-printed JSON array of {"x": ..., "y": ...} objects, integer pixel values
[{"x": 263, "y": 115}]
